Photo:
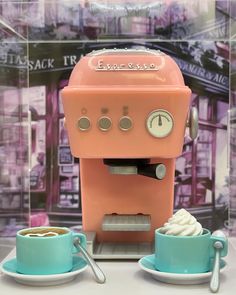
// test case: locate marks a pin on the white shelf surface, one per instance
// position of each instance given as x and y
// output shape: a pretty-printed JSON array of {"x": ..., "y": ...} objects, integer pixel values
[{"x": 124, "y": 277}]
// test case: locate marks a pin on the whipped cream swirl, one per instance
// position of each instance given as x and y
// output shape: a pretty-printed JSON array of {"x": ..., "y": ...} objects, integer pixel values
[{"x": 182, "y": 223}]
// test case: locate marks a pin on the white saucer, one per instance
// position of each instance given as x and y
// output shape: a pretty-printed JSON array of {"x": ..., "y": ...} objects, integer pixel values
[
  {"x": 147, "y": 264},
  {"x": 9, "y": 268}
]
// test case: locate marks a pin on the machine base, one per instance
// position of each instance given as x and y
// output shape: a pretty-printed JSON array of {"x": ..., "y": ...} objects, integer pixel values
[{"x": 117, "y": 250}]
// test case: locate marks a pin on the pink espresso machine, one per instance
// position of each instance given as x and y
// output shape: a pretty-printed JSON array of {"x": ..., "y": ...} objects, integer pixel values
[{"x": 126, "y": 111}]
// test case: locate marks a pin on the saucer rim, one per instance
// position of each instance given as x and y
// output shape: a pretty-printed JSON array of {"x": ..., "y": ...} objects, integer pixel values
[
  {"x": 48, "y": 277},
  {"x": 173, "y": 274}
]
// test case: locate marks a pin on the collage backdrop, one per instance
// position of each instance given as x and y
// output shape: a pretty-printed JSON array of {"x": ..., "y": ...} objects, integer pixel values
[{"x": 40, "y": 44}]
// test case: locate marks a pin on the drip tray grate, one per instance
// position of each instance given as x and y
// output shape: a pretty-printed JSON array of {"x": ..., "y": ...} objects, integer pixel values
[
  {"x": 110, "y": 250},
  {"x": 117, "y": 222}
]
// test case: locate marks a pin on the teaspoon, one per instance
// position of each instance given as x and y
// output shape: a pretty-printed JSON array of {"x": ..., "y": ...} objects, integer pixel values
[{"x": 98, "y": 273}]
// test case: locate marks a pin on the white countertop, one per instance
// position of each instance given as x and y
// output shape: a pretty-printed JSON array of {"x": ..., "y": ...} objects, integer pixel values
[
  {"x": 124, "y": 277},
  {"x": 6, "y": 245}
]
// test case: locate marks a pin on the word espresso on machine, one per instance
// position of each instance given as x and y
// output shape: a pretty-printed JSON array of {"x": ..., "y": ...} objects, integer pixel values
[{"x": 126, "y": 111}]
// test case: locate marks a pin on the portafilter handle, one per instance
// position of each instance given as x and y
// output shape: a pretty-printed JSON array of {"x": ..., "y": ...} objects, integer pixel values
[{"x": 157, "y": 171}]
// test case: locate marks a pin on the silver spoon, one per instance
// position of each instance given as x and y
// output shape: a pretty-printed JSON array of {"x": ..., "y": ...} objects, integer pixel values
[
  {"x": 98, "y": 273},
  {"x": 215, "y": 277}
]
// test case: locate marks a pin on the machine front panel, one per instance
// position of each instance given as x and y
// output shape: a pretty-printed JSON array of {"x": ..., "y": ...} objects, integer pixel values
[{"x": 135, "y": 123}]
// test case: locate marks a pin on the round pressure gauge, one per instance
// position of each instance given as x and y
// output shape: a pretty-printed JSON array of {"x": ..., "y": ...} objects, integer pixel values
[{"x": 159, "y": 123}]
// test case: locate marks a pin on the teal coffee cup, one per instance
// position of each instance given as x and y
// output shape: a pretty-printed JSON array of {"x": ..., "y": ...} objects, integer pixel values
[
  {"x": 46, "y": 250},
  {"x": 186, "y": 254}
]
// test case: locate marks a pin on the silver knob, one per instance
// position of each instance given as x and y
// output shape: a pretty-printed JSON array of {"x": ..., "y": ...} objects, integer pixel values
[
  {"x": 84, "y": 123},
  {"x": 104, "y": 123},
  {"x": 125, "y": 123},
  {"x": 192, "y": 122}
]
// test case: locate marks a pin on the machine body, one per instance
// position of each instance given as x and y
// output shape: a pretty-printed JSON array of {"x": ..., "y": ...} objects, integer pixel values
[{"x": 126, "y": 112}]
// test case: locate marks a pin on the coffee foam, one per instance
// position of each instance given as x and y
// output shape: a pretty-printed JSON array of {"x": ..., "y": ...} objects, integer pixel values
[
  {"x": 48, "y": 234},
  {"x": 43, "y": 232}
]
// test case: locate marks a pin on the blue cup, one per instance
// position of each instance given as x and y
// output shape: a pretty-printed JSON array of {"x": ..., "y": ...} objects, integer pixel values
[
  {"x": 44, "y": 255},
  {"x": 186, "y": 254}
]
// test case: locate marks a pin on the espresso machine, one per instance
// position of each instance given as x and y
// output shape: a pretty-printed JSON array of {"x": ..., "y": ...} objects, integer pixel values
[{"x": 126, "y": 111}]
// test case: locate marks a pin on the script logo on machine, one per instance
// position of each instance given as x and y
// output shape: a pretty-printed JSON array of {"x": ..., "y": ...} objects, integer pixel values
[{"x": 131, "y": 66}]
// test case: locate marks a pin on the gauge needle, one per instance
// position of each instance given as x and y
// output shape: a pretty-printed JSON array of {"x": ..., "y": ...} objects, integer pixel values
[{"x": 159, "y": 121}]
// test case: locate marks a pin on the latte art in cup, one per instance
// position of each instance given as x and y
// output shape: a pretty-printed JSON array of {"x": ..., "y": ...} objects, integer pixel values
[
  {"x": 49, "y": 234},
  {"x": 44, "y": 232},
  {"x": 182, "y": 223}
]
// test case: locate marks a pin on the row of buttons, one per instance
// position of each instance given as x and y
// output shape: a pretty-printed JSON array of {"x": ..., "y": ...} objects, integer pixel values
[{"x": 104, "y": 123}]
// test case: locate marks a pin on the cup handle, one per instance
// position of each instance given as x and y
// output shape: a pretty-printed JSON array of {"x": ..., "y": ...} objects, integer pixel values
[
  {"x": 82, "y": 239},
  {"x": 223, "y": 241}
]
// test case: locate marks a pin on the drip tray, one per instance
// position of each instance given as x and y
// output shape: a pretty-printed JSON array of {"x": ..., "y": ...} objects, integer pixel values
[
  {"x": 116, "y": 222},
  {"x": 117, "y": 250}
]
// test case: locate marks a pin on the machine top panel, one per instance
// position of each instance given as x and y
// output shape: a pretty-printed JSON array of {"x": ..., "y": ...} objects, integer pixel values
[
  {"x": 125, "y": 51},
  {"x": 126, "y": 67}
]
